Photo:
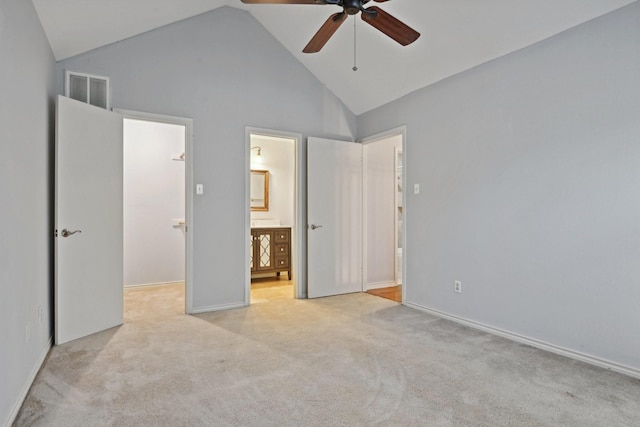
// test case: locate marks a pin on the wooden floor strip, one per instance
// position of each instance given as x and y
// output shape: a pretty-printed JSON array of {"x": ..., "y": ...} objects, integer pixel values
[{"x": 393, "y": 293}]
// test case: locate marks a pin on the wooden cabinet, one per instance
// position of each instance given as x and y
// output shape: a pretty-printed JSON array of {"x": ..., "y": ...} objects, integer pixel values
[{"x": 271, "y": 250}]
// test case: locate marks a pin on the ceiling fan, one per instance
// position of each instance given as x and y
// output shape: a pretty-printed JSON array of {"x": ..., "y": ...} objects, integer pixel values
[{"x": 374, "y": 16}]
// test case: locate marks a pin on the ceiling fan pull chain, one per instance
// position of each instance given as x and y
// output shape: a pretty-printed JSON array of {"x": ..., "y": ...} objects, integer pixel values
[{"x": 355, "y": 46}]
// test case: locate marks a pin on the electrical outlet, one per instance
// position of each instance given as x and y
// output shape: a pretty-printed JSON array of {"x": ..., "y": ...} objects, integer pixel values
[
  {"x": 457, "y": 286},
  {"x": 28, "y": 333}
]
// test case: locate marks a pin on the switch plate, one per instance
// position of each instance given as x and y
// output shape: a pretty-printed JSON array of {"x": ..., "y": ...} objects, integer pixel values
[
  {"x": 416, "y": 188},
  {"x": 200, "y": 189}
]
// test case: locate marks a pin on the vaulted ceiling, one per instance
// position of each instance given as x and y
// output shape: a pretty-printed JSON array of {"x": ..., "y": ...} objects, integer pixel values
[{"x": 456, "y": 35}]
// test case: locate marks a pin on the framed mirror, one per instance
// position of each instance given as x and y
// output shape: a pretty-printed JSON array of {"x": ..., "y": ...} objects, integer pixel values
[{"x": 259, "y": 190}]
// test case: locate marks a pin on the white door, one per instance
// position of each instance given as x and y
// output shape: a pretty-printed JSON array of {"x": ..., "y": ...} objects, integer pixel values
[
  {"x": 334, "y": 217},
  {"x": 88, "y": 263}
]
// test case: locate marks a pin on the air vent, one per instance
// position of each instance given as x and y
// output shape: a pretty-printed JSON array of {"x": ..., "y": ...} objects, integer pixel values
[{"x": 88, "y": 88}]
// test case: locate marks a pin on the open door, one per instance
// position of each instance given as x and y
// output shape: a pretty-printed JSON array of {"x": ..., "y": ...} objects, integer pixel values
[
  {"x": 334, "y": 217},
  {"x": 88, "y": 220}
]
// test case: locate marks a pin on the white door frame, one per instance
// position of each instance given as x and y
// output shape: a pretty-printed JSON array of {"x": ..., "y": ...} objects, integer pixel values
[
  {"x": 402, "y": 130},
  {"x": 298, "y": 228},
  {"x": 189, "y": 189},
  {"x": 396, "y": 151}
]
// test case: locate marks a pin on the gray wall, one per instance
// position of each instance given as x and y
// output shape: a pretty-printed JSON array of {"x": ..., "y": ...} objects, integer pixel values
[
  {"x": 26, "y": 147},
  {"x": 529, "y": 169},
  {"x": 224, "y": 70}
]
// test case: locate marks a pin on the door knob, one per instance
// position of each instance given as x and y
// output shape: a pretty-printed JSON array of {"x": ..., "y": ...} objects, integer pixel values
[
  {"x": 67, "y": 233},
  {"x": 313, "y": 226}
]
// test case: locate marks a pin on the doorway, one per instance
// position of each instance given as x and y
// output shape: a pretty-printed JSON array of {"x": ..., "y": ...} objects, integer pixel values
[
  {"x": 155, "y": 212},
  {"x": 384, "y": 214},
  {"x": 272, "y": 220}
]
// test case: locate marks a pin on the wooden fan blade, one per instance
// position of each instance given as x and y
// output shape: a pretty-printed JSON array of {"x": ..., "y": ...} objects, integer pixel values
[
  {"x": 394, "y": 28},
  {"x": 284, "y": 1},
  {"x": 325, "y": 32}
]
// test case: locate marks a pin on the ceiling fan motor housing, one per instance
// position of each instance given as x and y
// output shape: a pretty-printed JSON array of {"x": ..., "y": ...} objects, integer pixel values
[{"x": 351, "y": 7}]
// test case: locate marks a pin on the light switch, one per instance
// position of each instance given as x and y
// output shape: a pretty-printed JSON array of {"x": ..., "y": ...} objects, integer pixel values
[
  {"x": 199, "y": 189},
  {"x": 416, "y": 188}
]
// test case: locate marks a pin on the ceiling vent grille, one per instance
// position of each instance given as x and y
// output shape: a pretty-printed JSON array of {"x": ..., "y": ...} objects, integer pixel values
[{"x": 88, "y": 88}]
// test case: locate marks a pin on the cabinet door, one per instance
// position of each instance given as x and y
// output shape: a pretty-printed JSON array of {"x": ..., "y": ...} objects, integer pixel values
[
  {"x": 252, "y": 251},
  {"x": 264, "y": 248}
]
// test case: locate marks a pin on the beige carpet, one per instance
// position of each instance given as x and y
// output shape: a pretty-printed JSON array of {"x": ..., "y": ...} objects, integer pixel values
[
  {"x": 351, "y": 360},
  {"x": 148, "y": 302}
]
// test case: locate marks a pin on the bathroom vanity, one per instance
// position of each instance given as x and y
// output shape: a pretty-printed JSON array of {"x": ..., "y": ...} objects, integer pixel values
[{"x": 271, "y": 250}]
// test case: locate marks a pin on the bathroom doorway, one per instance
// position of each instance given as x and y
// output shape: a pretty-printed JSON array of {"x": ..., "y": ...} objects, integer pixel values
[
  {"x": 155, "y": 214},
  {"x": 273, "y": 235}
]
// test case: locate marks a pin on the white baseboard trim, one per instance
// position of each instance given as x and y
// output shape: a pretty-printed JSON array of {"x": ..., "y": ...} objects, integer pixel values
[
  {"x": 221, "y": 307},
  {"x": 380, "y": 285},
  {"x": 144, "y": 285},
  {"x": 552, "y": 348},
  {"x": 25, "y": 389}
]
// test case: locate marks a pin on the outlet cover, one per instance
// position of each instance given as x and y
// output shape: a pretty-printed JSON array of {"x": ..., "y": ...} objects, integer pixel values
[{"x": 457, "y": 286}]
